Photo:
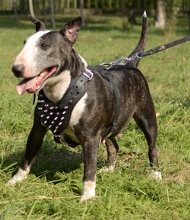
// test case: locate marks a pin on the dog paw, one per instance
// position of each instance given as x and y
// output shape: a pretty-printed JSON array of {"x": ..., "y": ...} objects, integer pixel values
[
  {"x": 88, "y": 190},
  {"x": 156, "y": 175},
  {"x": 19, "y": 176},
  {"x": 86, "y": 197},
  {"x": 107, "y": 169},
  {"x": 11, "y": 182},
  {"x": 14, "y": 180}
]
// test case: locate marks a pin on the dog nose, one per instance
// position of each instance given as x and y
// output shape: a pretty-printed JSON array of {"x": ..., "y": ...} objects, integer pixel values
[{"x": 18, "y": 70}]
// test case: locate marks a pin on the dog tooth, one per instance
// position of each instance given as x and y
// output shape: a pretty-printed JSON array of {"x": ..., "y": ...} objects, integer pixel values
[
  {"x": 60, "y": 123},
  {"x": 39, "y": 108},
  {"x": 47, "y": 117},
  {"x": 51, "y": 113},
  {"x": 57, "y": 113},
  {"x": 55, "y": 118},
  {"x": 46, "y": 105},
  {"x": 42, "y": 116},
  {"x": 66, "y": 107},
  {"x": 63, "y": 112},
  {"x": 62, "y": 118},
  {"x": 52, "y": 122},
  {"x": 45, "y": 122},
  {"x": 56, "y": 107},
  {"x": 50, "y": 126},
  {"x": 45, "y": 110},
  {"x": 51, "y": 107}
]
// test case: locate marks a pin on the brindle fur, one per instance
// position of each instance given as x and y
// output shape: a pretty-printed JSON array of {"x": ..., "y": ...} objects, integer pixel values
[{"x": 98, "y": 114}]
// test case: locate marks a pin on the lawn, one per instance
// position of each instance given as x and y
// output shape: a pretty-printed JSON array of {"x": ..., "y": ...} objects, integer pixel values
[{"x": 52, "y": 190}]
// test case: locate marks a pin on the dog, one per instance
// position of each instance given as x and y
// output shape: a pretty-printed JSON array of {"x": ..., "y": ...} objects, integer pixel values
[{"x": 82, "y": 105}]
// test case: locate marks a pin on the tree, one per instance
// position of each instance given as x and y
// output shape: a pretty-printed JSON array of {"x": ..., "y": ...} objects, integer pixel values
[
  {"x": 172, "y": 7},
  {"x": 15, "y": 11},
  {"x": 52, "y": 13},
  {"x": 160, "y": 14},
  {"x": 81, "y": 12}
]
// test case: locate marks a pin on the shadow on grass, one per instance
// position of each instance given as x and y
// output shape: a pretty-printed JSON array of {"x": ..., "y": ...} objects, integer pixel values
[{"x": 52, "y": 158}]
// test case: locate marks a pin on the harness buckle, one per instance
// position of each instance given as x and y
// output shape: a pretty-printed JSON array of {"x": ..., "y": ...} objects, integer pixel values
[{"x": 88, "y": 74}]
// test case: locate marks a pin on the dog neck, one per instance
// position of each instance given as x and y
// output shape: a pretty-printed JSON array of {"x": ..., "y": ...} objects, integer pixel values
[{"x": 56, "y": 87}]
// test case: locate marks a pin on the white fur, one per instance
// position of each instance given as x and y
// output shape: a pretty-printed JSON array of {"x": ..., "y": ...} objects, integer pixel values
[
  {"x": 84, "y": 61},
  {"x": 55, "y": 87},
  {"x": 78, "y": 110},
  {"x": 88, "y": 190},
  {"x": 75, "y": 116},
  {"x": 20, "y": 175},
  {"x": 27, "y": 54},
  {"x": 156, "y": 174},
  {"x": 107, "y": 169}
]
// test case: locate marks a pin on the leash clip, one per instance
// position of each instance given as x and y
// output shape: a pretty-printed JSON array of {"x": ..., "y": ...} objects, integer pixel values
[{"x": 116, "y": 62}]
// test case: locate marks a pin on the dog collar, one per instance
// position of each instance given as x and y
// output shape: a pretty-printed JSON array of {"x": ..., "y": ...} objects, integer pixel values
[{"x": 56, "y": 116}]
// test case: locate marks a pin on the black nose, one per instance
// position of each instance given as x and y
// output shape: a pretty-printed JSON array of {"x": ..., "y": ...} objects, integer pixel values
[{"x": 18, "y": 70}]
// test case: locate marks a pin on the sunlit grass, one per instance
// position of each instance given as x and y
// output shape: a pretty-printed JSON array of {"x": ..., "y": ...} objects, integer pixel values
[{"x": 53, "y": 188}]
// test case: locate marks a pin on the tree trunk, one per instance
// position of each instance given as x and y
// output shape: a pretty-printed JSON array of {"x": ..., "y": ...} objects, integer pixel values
[
  {"x": 52, "y": 13},
  {"x": 15, "y": 12},
  {"x": 124, "y": 15},
  {"x": 160, "y": 14},
  {"x": 44, "y": 11},
  {"x": 82, "y": 12},
  {"x": 31, "y": 8}
]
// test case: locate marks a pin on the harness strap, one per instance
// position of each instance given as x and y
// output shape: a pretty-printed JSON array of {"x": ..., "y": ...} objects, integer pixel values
[
  {"x": 109, "y": 77},
  {"x": 56, "y": 116},
  {"x": 114, "y": 125}
]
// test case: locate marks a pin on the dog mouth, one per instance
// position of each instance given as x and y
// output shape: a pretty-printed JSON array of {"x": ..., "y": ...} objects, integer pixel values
[{"x": 35, "y": 83}]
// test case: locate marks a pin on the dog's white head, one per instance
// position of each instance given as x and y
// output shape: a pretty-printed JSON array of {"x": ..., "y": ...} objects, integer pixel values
[{"x": 47, "y": 54}]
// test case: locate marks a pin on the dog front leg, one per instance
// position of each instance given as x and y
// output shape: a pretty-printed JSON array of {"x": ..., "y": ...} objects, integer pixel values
[
  {"x": 90, "y": 149},
  {"x": 33, "y": 145}
]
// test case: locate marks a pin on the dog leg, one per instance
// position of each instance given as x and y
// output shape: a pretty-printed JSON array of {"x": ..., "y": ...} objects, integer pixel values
[
  {"x": 112, "y": 149},
  {"x": 33, "y": 145},
  {"x": 90, "y": 151},
  {"x": 147, "y": 123}
]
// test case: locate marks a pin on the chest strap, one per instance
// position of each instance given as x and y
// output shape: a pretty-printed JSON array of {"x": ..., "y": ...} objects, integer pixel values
[{"x": 56, "y": 116}]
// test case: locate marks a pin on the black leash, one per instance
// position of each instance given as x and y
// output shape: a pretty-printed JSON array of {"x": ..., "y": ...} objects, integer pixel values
[
  {"x": 163, "y": 47},
  {"x": 123, "y": 60}
]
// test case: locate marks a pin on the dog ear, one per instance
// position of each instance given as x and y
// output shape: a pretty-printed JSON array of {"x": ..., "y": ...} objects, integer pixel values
[
  {"x": 70, "y": 30},
  {"x": 39, "y": 25}
]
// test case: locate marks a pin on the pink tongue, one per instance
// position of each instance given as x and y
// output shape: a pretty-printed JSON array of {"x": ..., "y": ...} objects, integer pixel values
[
  {"x": 25, "y": 84},
  {"x": 32, "y": 84}
]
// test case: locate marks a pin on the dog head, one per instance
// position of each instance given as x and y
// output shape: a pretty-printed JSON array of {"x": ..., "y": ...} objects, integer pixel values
[{"x": 45, "y": 55}]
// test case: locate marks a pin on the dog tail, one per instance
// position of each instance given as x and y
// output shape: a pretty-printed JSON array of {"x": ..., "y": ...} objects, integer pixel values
[{"x": 141, "y": 44}]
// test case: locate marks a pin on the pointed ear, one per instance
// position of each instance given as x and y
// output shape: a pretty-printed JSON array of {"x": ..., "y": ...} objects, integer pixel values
[
  {"x": 70, "y": 30},
  {"x": 39, "y": 25}
]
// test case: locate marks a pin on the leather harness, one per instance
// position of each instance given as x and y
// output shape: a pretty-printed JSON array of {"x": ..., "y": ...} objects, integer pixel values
[{"x": 56, "y": 116}]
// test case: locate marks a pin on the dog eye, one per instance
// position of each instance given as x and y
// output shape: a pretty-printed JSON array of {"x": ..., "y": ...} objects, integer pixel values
[{"x": 43, "y": 45}]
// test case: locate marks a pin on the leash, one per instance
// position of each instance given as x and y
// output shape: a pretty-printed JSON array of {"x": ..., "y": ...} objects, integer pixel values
[{"x": 123, "y": 60}]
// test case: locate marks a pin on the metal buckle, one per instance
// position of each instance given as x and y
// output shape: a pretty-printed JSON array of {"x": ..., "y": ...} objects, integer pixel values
[
  {"x": 89, "y": 72},
  {"x": 118, "y": 62}
]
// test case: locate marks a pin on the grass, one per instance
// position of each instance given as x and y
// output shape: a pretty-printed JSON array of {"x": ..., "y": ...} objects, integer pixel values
[{"x": 54, "y": 185}]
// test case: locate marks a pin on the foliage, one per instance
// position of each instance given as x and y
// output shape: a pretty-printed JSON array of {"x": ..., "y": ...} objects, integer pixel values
[
  {"x": 53, "y": 188},
  {"x": 172, "y": 8}
]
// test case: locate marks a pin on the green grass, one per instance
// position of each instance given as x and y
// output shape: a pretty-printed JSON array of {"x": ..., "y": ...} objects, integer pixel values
[{"x": 54, "y": 185}]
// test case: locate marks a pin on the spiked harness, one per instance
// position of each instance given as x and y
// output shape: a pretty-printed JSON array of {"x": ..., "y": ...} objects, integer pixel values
[{"x": 56, "y": 116}]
